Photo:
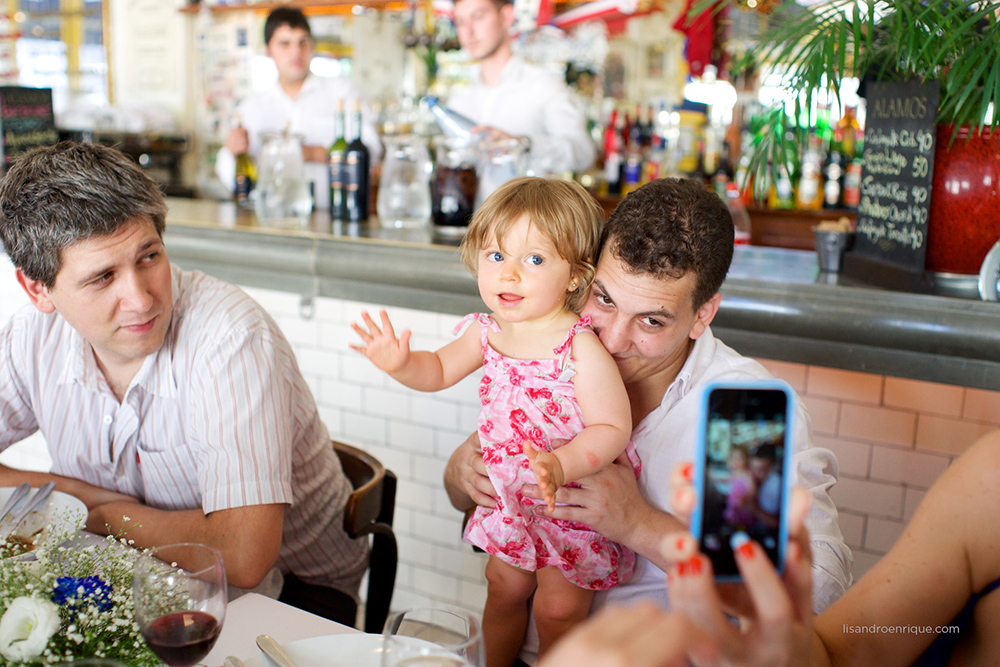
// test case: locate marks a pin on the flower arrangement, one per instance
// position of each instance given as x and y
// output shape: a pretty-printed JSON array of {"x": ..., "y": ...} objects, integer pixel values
[{"x": 74, "y": 600}]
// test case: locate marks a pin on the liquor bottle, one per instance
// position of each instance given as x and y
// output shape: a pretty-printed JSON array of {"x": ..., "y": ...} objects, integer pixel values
[
  {"x": 452, "y": 123},
  {"x": 613, "y": 154},
  {"x": 246, "y": 178},
  {"x": 848, "y": 128},
  {"x": 357, "y": 163},
  {"x": 809, "y": 194},
  {"x": 834, "y": 183},
  {"x": 335, "y": 163},
  {"x": 850, "y": 196},
  {"x": 741, "y": 217}
]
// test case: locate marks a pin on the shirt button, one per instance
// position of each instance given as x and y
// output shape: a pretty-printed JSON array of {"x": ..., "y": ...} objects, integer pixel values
[{"x": 108, "y": 419}]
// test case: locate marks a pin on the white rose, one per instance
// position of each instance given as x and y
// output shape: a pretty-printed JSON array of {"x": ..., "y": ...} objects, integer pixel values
[{"x": 26, "y": 627}]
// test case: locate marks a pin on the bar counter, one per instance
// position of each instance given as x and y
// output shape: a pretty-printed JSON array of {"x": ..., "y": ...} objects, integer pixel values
[{"x": 776, "y": 304}]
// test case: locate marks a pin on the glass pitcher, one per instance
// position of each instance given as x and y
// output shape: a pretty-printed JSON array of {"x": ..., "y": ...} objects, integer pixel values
[
  {"x": 404, "y": 194},
  {"x": 454, "y": 186},
  {"x": 500, "y": 161},
  {"x": 282, "y": 191}
]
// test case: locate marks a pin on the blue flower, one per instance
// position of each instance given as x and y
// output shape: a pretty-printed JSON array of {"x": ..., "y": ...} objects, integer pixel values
[{"x": 75, "y": 591}]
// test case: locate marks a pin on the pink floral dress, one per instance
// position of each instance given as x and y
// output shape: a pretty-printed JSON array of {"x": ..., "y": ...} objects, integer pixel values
[{"x": 535, "y": 400}]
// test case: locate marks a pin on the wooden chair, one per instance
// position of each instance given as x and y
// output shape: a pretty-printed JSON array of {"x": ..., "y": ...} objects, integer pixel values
[{"x": 369, "y": 511}]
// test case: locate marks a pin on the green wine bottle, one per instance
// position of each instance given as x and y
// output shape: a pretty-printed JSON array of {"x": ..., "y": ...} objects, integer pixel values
[
  {"x": 357, "y": 163},
  {"x": 335, "y": 161}
]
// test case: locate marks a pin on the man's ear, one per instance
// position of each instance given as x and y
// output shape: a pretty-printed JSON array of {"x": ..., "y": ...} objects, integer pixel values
[
  {"x": 704, "y": 316},
  {"x": 37, "y": 292},
  {"x": 507, "y": 15}
]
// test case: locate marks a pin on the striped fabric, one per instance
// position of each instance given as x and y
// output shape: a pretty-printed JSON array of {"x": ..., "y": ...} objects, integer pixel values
[{"x": 219, "y": 418}]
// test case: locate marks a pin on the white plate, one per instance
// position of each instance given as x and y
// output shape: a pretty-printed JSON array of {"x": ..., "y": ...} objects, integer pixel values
[
  {"x": 66, "y": 512},
  {"x": 347, "y": 650}
]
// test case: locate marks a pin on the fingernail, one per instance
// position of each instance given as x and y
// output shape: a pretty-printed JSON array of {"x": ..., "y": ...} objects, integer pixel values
[
  {"x": 682, "y": 569},
  {"x": 695, "y": 565},
  {"x": 687, "y": 472},
  {"x": 680, "y": 543},
  {"x": 746, "y": 550},
  {"x": 794, "y": 552}
]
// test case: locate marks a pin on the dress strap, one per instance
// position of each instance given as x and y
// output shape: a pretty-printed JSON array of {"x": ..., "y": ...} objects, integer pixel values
[
  {"x": 486, "y": 324},
  {"x": 564, "y": 350}
]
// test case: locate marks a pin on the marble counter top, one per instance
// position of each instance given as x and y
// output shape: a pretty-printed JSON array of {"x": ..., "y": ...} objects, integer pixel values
[{"x": 776, "y": 304}]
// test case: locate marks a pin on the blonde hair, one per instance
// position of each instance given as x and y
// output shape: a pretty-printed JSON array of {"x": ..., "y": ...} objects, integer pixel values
[{"x": 560, "y": 209}]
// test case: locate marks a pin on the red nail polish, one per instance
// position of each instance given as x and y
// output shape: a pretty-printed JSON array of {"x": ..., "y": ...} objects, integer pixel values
[
  {"x": 682, "y": 569},
  {"x": 687, "y": 472},
  {"x": 746, "y": 550},
  {"x": 695, "y": 565},
  {"x": 680, "y": 543}
]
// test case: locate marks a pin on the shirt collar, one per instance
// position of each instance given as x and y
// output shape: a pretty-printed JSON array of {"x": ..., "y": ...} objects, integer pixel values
[
  {"x": 699, "y": 359},
  {"x": 155, "y": 375}
]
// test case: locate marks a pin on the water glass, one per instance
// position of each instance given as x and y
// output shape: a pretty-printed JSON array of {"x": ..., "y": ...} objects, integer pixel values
[
  {"x": 404, "y": 194},
  {"x": 433, "y": 637}
]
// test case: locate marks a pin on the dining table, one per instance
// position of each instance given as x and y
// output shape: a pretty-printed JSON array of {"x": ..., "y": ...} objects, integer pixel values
[{"x": 254, "y": 614}]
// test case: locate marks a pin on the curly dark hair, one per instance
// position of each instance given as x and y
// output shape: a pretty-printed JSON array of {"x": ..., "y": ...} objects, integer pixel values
[{"x": 672, "y": 226}]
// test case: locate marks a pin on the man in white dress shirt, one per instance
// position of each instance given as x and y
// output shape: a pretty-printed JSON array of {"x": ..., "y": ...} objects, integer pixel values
[
  {"x": 514, "y": 99},
  {"x": 664, "y": 255},
  {"x": 301, "y": 102},
  {"x": 165, "y": 396}
]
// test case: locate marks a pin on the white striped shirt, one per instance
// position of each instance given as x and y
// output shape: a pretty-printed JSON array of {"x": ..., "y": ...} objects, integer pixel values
[{"x": 220, "y": 417}]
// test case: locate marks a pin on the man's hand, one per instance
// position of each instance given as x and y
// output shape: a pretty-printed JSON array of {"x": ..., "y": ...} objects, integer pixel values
[
  {"x": 238, "y": 141},
  {"x": 381, "y": 346},
  {"x": 91, "y": 496},
  {"x": 314, "y": 154},
  {"x": 608, "y": 501},
  {"x": 548, "y": 471},
  {"x": 642, "y": 635},
  {"x": 465, "y": 477}
]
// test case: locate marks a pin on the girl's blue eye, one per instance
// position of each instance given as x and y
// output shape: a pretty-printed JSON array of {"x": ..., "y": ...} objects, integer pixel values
[
  {"x": 535, "y": 259},
  {"x": 494, "y": 257}
]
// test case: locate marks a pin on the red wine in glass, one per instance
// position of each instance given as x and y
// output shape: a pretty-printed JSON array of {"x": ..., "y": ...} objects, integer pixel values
[{"x": 183, "y": 637}]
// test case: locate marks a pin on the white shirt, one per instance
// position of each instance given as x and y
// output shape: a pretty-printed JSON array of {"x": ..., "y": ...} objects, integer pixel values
[
  {"x": 311, "y": 115},
  {"x": 530, "y": 102},
  {"x": 219, "y": 417},
  {"x": 668, "y": 436}
]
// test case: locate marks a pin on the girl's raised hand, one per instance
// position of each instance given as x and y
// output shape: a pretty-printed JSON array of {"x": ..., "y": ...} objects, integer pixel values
[
  {"x": 548, "y": 471},
  {"x": 380, "y": 343}
]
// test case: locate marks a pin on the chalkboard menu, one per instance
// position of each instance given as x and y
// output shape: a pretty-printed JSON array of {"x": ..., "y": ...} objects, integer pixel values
[
  {"x": 897, "y": 166},
  {"x": 26, "y": 121}
]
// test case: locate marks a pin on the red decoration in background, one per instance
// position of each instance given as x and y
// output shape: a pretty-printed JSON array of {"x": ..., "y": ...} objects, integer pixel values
[{"x": 701, "y": 36}]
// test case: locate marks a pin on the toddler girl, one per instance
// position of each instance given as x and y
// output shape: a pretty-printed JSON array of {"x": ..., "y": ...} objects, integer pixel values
[
  {"x": 533, "y": 246},
  {"x": 742, "y": 489}
]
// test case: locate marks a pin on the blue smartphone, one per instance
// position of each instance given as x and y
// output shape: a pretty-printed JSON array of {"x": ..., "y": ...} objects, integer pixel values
[{"x": 742, "y": 471}]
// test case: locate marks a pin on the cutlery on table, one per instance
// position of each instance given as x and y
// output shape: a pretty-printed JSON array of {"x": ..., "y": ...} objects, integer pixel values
[
  {"x": 273, "y": 650},
  {"x": 233, "y": 661},
  {"x": 14, "y": 499},
  {"x": 36, "y": 501}
]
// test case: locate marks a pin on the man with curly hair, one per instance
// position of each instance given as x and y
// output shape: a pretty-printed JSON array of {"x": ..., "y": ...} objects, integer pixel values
[{"x": 664, "y": 255}]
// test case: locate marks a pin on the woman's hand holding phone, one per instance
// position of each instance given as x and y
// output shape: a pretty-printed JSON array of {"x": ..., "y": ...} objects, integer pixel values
[{"x": 775, "y": 610}]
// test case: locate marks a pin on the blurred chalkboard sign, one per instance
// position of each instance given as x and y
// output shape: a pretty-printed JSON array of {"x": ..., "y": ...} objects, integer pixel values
[
  {"x": 897, "y": 166},
  {"x": 26, "y": 121}
]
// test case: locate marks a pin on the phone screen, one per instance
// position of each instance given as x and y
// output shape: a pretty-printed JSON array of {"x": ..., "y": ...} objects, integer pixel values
[{"x": 742, "y": 474}]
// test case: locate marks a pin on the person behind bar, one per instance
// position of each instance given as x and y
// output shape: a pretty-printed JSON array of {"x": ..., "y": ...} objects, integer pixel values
[
  {"x": 664, "y": 254},
  {"x": 165, "y": 396},
  {"x": 512, "y": 99},
  {"x": 299, "y": 102}
]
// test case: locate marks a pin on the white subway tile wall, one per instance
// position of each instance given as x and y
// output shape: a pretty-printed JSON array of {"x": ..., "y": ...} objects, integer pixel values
[{"x": 892, "y": 437}]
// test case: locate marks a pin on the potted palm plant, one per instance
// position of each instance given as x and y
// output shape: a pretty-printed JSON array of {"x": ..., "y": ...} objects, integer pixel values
[{"x": 955, "y": 42}]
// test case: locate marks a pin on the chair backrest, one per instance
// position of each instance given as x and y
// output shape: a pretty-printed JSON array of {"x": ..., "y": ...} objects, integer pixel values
[{"x": 370, "y": 510}]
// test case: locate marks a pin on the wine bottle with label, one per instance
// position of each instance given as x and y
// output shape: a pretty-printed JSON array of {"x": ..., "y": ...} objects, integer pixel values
[
  {"x": 246, "y": 178},
  {"x": 335, "y": 163},
  {"x": 357, "y": 163}
]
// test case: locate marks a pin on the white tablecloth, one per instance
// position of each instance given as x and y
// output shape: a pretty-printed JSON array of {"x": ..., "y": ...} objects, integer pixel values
[{"x": 254, "y": 614}]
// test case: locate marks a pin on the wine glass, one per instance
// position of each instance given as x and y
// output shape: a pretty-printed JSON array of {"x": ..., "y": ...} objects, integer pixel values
[
  {"x": 179, "y": 591},
  {"x": 433, "y": 637}
]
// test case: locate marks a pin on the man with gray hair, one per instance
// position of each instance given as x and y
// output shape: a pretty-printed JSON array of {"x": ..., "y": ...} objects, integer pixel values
[{"x": 165, "y": 396}]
